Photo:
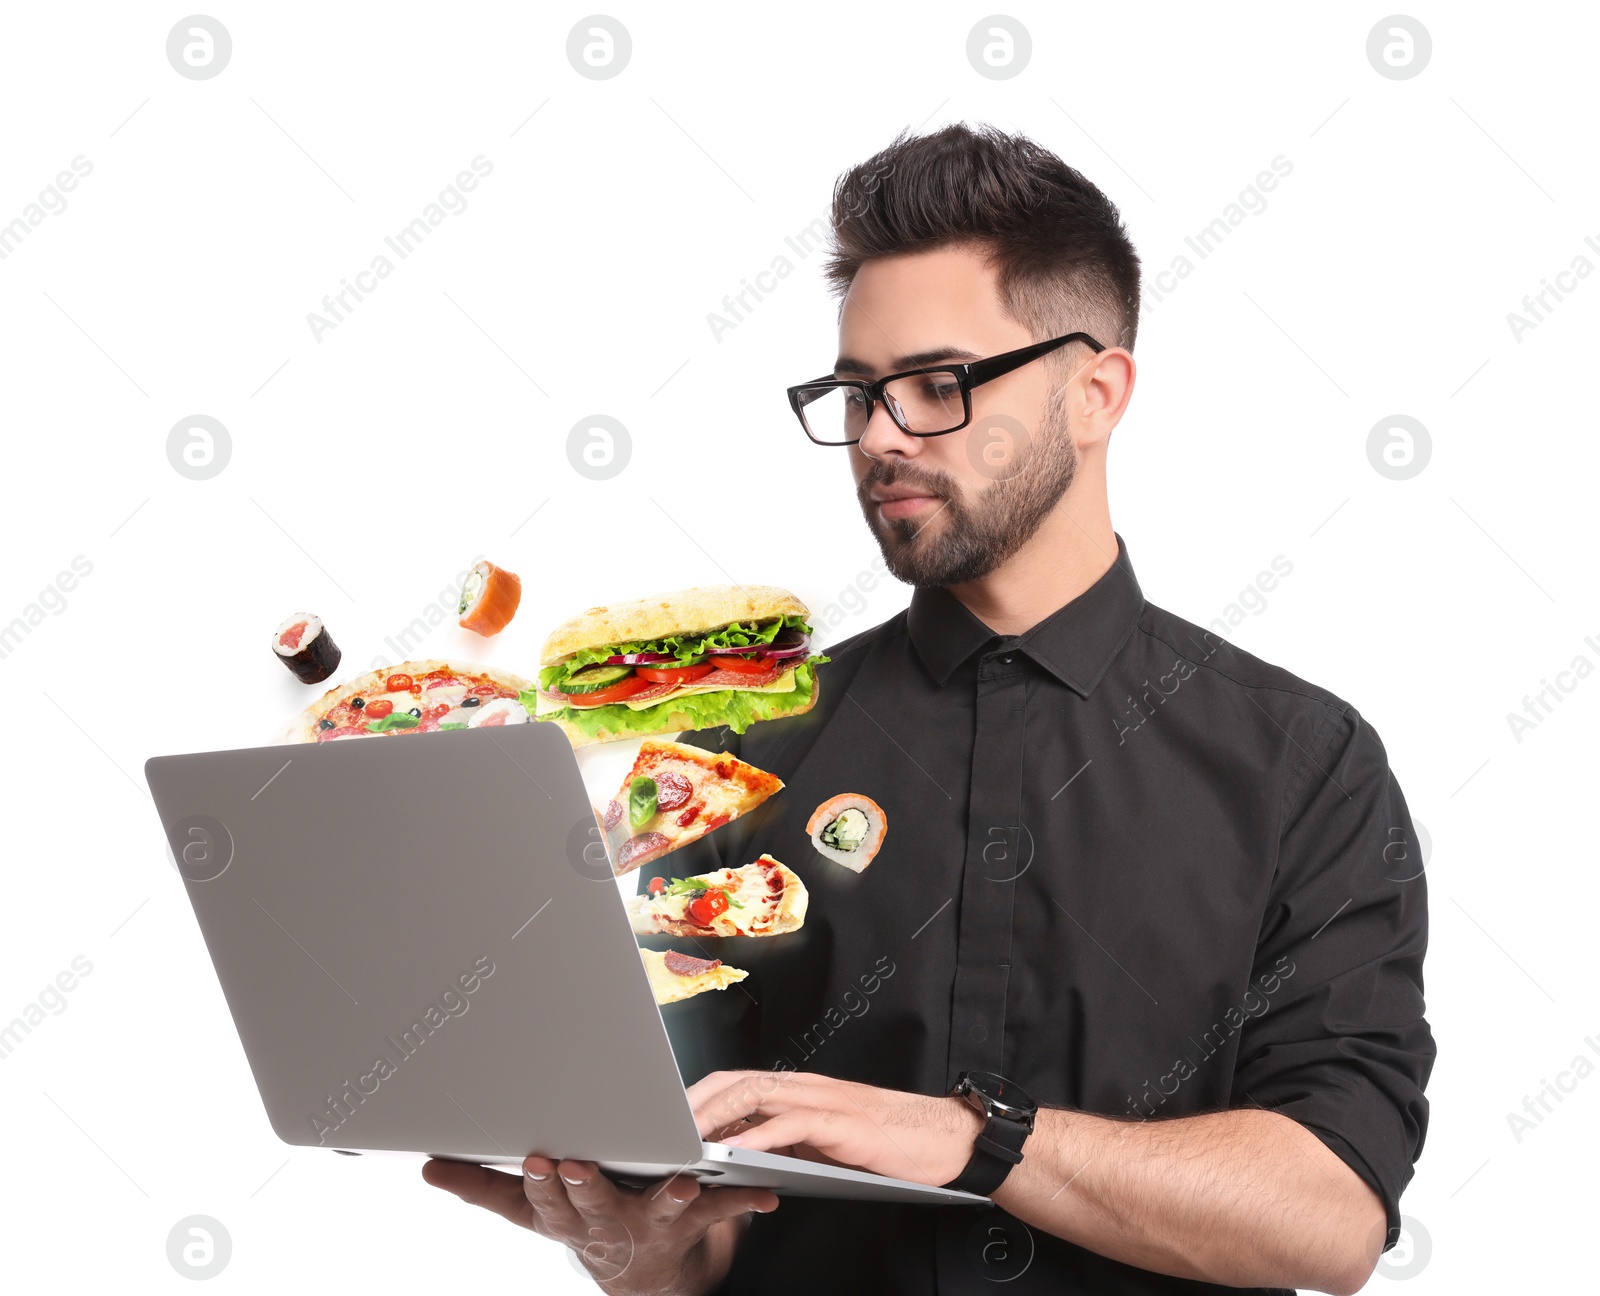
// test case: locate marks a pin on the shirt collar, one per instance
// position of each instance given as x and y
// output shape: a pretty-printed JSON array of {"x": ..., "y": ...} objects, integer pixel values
[{"x": 1075, "y": 643}]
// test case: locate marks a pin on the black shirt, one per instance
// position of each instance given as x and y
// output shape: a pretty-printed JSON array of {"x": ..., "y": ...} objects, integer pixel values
[{"x": 1134, "y": 869}]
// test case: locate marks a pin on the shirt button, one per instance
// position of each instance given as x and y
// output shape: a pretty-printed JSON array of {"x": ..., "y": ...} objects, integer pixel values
[{"x": 1007, "y": 658}]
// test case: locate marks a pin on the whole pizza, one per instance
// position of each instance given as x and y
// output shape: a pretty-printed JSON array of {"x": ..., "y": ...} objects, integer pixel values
[{"x": 414, "y": 697}]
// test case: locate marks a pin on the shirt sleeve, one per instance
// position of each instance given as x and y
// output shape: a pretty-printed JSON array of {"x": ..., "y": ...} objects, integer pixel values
[{"x": 1337, "y": 1039}]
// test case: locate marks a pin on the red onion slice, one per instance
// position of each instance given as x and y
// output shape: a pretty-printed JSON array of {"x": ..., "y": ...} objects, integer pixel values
[{"x": 789, "y": 643}]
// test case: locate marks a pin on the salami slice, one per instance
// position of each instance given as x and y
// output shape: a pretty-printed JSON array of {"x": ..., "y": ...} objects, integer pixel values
[
  {"x": 720, "y": 678},
  {"x": 687, "y": 964},
  {"x": 636, "y": 850}
]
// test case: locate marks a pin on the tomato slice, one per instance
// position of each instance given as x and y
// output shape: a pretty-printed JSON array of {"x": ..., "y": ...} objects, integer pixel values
[
  {"x": 398, "y": 683},
  {"x": 623, "y": 688},
  {"x": 657, "y": 885},
  {"x": 754, "y": 664},
  {"x": 378, "y": 708},
  {"x": 704, "y": 908},
  {"x": 673, "y": 674}
]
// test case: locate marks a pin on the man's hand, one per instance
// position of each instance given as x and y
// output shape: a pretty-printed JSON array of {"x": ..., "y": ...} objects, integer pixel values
[
  {"x": 903, "y": 1135},
  {"x": 671, "y": 1237}
]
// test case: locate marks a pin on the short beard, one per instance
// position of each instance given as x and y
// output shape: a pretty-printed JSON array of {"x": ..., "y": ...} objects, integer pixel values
[{"x": 979, "y": 534}]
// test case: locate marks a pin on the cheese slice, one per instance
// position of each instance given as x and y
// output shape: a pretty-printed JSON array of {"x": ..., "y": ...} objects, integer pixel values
[{"x": 669, "y": 987}]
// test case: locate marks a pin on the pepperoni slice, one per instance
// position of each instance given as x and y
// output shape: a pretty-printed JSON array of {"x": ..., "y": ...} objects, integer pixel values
[
  {"x": 613, "y": 814},
  {"x": 672, "y": 790},
  {"x": 687, "y": 964},
  {"x": 344, "y": 731},
  {"x": 636, "y": 850}
]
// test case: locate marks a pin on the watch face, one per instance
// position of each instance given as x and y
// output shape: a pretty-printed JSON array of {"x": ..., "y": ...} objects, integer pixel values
[{"x": 1001, "y": 1096}]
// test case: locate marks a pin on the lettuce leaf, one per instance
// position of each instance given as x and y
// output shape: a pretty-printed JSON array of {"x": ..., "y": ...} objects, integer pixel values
[
  {"x": 683, "y": 647},
  {"x": 736, "y": 708}
]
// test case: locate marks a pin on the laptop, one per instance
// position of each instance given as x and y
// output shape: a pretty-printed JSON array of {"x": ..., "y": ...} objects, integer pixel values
[{"x": 425, "y": 953}]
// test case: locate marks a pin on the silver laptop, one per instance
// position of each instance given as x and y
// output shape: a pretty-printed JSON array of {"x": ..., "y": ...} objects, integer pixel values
[{"x": 425, "y": 952}]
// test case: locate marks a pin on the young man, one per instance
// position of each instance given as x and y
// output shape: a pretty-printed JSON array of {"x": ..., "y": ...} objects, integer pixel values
[{"x": 1152, "y": 899}]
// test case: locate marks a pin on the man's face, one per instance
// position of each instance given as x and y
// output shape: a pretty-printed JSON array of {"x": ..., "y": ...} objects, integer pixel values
[{"x": 950, "y": 509}]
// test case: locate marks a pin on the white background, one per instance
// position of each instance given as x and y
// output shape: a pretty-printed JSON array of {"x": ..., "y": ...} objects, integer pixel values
[{"x": 370, "y": 466}]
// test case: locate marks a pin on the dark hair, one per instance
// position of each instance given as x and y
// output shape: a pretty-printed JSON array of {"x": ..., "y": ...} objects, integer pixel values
[{"x": 1064, "y": 259}]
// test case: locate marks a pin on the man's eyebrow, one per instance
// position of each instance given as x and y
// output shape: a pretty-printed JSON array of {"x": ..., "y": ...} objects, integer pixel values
[{"x": 917, "y": 360}]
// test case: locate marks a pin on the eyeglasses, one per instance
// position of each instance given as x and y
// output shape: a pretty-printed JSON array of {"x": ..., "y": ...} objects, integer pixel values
[{"x": 922, "y": 402}]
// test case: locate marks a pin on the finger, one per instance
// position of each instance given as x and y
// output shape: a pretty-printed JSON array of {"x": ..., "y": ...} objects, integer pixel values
[
  {"x": 665, "y": 1202},
  {"x": 591, "y": 1194},
  {"x": 718, "y": 1203},
  {"x": 546, "y": 1195},
  {"x": 802, "y": 1125},
  {"x": 490, "y": 1189},
  {"x": 714, "y": 1082},
  {"x": 743, "y": 1094}
]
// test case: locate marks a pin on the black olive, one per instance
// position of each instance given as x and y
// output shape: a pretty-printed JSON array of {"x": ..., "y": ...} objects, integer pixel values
[
  {"x": 471, "y": 701},
  {"x": 415, "y": 711},
  {"x": 326, "y": 724},
  {"x": 358, "y": 703}
]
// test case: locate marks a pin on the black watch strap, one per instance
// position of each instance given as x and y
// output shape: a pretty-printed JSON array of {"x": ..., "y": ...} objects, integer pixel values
[{"x": 997, "y": 1148}]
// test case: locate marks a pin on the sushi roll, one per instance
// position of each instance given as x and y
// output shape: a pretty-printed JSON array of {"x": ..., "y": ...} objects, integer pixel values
[
  {"x": 303, "y": 644},
  {"x": 848, "y": 829},
  {"x": 489, "y": 599}
]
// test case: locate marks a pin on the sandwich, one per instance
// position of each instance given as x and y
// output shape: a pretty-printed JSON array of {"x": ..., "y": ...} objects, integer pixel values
[{"x": 693, "y": 659}]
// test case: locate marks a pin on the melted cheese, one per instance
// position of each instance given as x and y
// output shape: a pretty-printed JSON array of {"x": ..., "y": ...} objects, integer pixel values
[{"x": 747, "y": 885}]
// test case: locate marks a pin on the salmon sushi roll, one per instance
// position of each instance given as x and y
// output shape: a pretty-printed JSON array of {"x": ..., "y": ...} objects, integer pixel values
[
  {"x": 489, "y": 599},
  {"x": 848, "y": 829}
]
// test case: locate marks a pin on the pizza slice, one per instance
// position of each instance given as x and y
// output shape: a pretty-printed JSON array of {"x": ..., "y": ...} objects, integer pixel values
[
  {"x": 675, "y": 976},
  {"x": 676, "y": 794},
  {"x": 413, "y": 697},
  {"x": 760, "y": 899}
]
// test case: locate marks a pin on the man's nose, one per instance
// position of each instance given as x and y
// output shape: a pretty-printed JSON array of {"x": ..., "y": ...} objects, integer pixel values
[{"x": 883, "y": 436}]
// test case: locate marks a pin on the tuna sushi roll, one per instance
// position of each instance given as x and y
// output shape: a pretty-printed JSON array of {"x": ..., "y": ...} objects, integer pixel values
[
  {"x": 848, "y": 829},
  {"x": 305, "y": 647}
]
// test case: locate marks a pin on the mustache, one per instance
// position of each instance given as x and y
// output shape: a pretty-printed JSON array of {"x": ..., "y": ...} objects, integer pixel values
[{"x": 893, "y": 473}]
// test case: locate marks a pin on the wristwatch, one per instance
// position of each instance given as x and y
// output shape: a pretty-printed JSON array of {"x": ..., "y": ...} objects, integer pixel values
[{"x": 1008, "y": 1114}]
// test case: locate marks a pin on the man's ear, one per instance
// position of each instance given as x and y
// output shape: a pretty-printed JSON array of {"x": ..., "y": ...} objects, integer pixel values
[{"x": 1102, "y": 390}]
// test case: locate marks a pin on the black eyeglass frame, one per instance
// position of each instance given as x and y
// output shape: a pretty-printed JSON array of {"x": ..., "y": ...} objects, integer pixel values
[{"x": 973, "y": 373}]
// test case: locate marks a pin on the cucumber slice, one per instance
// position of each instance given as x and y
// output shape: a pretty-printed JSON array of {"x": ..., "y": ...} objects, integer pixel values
[{"x": 595, "y": 677}]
